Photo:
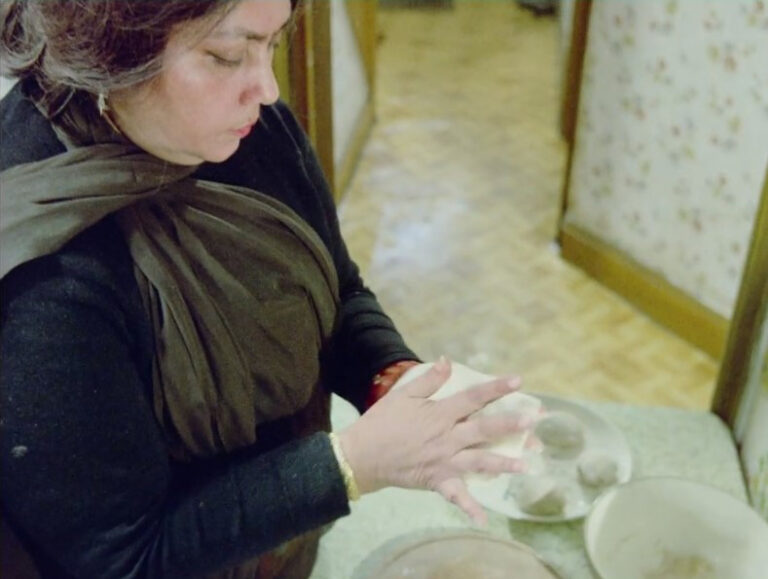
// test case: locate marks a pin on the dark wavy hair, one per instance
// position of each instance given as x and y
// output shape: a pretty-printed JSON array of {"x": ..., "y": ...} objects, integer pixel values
[{"x": 93, "y": 46}]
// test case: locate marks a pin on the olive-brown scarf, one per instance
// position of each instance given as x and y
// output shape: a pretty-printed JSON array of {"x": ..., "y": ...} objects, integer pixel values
[{"x": 241, "y": 293}]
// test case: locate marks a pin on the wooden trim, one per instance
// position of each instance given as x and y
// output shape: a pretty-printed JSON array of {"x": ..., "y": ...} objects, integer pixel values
[
  {"x": 569, "y": 107},
  {"x": 748, "y": 318},
  {"x": 311, "y": 82},
  {"x": 645, "y": 289},
  {"x": 564, "y": 194},
  {"x": 351, "y": 156},
  {"x": 299, "y": 69}
]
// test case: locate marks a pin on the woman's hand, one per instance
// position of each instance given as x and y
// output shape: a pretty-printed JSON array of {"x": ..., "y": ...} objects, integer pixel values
[{"x": 409, "y": 441}]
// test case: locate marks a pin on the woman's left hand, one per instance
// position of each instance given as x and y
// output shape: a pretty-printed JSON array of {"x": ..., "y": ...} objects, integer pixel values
[{"x": 410, "y": 441}]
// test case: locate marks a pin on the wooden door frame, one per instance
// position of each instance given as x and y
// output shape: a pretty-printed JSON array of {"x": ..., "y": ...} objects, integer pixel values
[
  {"x": 362, "y": 16},
  {"x": 747, "y": 322},
  {"x": 571, "y": 95},
  {"x": 311, "y": 82},
  {"x": 310, "y": 74}
]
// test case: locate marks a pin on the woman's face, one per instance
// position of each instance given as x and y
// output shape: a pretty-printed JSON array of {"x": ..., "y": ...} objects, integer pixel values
[{"x": 210, "y": 91}]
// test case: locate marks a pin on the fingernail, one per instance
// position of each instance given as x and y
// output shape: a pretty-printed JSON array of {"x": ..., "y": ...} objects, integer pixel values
[
  {"x": 442, "y": 363},
  {"x": 514, "y": 382},
  {"x": 525, "y": 422},
  {"x": 518, "y": 465},
  {"x": 533, "y": 443}
]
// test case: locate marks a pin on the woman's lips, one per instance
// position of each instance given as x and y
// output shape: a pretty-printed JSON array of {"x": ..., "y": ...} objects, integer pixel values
[{"x": 243, "y": 132}]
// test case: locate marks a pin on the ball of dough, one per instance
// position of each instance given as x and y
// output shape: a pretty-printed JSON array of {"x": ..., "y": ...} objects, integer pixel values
[
  {"x": 598, "y": 470},
  {"x": 542, "y": 496},
  {"x": 561, "y": 432}
]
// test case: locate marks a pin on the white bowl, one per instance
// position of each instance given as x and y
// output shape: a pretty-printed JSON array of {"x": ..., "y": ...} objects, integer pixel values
[{"x": 656, "y": 528}]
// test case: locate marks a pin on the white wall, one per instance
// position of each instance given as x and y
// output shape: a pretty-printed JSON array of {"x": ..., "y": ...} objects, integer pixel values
[
  {"x": 672, "y": 138},
  {"x": 350, "y": 86}
]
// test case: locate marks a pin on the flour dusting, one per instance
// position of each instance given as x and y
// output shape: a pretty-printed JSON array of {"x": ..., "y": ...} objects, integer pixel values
[{"x": 674, "y": 566}]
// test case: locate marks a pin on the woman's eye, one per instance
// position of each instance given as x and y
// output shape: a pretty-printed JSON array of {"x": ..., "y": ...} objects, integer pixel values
[{"x": 228, "y": 62}]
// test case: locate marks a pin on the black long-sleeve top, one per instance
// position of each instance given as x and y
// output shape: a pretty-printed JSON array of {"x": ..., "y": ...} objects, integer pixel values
[{"x": 87, "y": 483}]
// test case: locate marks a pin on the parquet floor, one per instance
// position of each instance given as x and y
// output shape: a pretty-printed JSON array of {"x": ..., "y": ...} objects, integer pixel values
[{"x": 452, "y": 212}]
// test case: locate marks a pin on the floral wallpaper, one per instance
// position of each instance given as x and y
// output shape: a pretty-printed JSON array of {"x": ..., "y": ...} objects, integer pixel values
[{"x": 672, "y": 137}]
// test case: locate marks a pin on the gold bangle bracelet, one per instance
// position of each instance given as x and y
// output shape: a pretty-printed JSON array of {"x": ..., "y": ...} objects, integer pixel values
[{"x": 353, "y": 493}]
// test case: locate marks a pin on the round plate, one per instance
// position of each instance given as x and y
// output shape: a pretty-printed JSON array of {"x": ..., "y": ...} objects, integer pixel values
[
  {"x": 449, "y": 553},
  {"x": 600, "y": 436},
  {"x": 498, "y": 493},
  {"x": 672, "y": 527}
]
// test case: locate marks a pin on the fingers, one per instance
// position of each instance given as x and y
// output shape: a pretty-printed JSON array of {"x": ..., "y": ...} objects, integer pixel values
[
  {"x": 488, "y": 429},
  {"x": 484, "y": 462},
  {"x": 469, "y": 401},
  {"x": 455, "y": 491},
  {"x": 426, "y": 385}
]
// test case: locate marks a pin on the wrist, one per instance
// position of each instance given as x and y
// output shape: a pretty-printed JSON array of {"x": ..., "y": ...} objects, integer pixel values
[
  {"x": 347, "y": 473},
  {"x": 356, "y": 460}
]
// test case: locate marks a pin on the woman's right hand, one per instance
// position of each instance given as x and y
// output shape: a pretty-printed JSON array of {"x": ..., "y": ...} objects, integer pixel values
[{"x": 407, "y": 440}]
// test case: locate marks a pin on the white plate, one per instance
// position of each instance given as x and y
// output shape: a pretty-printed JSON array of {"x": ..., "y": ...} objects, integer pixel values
[
  {"x": 498, "y": 493},
  {"x": 600, "y": 436},
  {"x": 672, "y": 527}
]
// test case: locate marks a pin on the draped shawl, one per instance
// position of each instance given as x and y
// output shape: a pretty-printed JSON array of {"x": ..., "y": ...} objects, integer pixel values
[{"x": 241, "y": 293}]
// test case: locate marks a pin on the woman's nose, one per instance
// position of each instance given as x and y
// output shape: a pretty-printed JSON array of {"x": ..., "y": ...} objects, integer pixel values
[{"x": 261, "y": 86}]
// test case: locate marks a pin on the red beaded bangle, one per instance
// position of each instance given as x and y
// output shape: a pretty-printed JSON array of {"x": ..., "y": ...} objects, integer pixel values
[{"x": 386, "y": 378}]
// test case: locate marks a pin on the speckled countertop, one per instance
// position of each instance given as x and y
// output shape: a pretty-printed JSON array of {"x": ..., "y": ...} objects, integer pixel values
[{"x": 665, "y": 442}]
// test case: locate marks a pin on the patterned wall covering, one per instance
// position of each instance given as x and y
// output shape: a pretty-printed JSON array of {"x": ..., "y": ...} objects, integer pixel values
[{"x": 672, "y": 138}]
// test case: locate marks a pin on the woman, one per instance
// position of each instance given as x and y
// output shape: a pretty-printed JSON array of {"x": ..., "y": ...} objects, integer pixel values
[{"x": 178, "y": 304}]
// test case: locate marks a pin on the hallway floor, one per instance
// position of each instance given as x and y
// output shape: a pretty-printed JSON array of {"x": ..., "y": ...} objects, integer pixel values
[{"x": 452, "y": 215}]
